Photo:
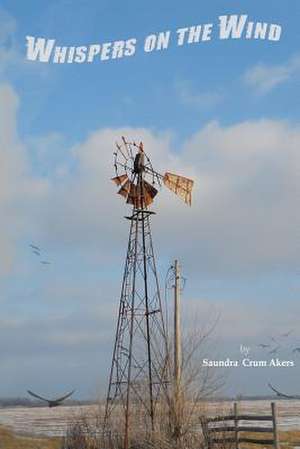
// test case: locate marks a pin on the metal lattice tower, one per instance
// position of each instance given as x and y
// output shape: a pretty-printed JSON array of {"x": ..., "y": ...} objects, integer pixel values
[{"x": 139, "y": 371}]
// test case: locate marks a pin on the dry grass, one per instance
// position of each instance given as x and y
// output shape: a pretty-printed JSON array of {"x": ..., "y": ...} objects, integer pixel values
[
  {"x": 80, "y": 438},
  {"x": 8, "y": 440},
  {"x": 287, "y": 439}
]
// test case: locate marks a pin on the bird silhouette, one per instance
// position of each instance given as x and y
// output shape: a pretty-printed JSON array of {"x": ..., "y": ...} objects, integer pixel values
[
  {"x": 282, "y": 395},
  {"x": 275, "y": 350},
  {"x": 34, "y": 247},
  {"x": 51, "y": 402}
]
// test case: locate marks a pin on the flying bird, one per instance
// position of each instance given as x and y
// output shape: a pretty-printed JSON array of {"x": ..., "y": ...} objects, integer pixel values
[
  {"x": 275, "y": 350},
  {"x": 51, "y": 402},
  {"x": 282, "y": 395},
  {"x": 34, "y": 247}
]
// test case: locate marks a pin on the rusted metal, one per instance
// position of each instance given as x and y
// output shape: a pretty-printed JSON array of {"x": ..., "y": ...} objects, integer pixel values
[
  {"x": 119, "y": 180},
  {"x": 180, "y": 185},
  {"x": 140, "y": 347}
]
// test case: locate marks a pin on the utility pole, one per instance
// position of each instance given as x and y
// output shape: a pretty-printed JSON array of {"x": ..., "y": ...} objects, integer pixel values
[{"x": 177, "y": 350}]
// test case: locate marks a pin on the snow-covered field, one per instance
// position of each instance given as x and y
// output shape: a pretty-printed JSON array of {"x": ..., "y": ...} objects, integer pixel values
[{"x": 55, "y": 421}]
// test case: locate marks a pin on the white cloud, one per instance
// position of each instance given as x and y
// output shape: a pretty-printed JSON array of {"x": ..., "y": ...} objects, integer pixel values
[
  {"x": 263, "y": 78},
  {"x": 244, "y": 219},
  {"x": 244, "y": 216},
  {"x": 83, "y": 208},
  {"x": 200, "y": 100},
  {"x": 18, "y": 189},
  {"x": 237, "y": 319}
]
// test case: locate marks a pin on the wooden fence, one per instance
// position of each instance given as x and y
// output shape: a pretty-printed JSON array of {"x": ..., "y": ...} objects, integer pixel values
[{"x": 219, "y": 431}]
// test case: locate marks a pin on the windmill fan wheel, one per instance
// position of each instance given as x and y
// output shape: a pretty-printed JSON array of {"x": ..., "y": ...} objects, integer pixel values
[{"x": 134, "y": 174}]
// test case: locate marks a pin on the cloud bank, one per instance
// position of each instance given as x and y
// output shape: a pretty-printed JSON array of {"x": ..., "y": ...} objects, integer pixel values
[
  {"x": 263, "y": 78},
  {"x": 244, "y": 215},
  {"x": 244, "y": 221}
]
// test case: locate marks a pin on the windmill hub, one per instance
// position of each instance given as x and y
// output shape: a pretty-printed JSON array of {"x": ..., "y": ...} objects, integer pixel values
[
  {"x": 138, "y": 180},
  {"x": 139, "y": 160}
]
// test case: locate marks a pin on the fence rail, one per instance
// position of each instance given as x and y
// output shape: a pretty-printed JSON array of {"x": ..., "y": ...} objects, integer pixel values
[{"x": 210, "y": 432}]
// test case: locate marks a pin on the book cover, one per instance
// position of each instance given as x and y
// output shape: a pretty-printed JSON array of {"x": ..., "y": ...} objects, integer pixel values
[{"x": 178, "y": 282}]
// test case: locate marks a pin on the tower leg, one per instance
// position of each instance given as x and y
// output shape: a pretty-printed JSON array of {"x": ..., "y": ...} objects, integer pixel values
[{"x": 138, "y": 374}]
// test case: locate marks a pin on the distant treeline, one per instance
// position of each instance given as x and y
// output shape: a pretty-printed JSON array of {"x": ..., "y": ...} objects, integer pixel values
[
  {"x": 9, "y": 402},
  {"x": 25, "y": 402},
  {"x": 240, "y": 397}
]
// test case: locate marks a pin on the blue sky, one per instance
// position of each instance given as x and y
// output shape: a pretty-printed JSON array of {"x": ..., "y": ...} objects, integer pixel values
[
  {"x": 224, "y": 112},
  {"x": 115, "y": 89}
]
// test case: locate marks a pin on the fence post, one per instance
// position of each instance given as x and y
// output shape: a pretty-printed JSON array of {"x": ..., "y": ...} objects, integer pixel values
[
  {"x": 236, "y": 425},
  {"x": 274, "y": 415}
]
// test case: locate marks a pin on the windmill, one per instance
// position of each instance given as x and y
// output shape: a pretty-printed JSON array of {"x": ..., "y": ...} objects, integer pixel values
[{"x": 139, "y": 371}]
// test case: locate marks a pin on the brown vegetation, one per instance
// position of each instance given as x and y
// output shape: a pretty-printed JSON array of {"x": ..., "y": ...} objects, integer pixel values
[
  {"x": 82, "y": 436},
  {"x": 10, "y": 441},
  {"x": 177, "y": 423}
]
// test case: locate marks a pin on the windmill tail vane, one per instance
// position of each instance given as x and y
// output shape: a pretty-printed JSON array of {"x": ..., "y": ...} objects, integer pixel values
[
  {"x": 180, "y": 185},
  {"x": 137, "y": 179}
]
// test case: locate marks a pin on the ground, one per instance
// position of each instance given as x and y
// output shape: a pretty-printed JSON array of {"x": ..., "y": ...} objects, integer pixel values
[
  {"x": 288, "y": 439},
  {"x": 8, "y": 440}
]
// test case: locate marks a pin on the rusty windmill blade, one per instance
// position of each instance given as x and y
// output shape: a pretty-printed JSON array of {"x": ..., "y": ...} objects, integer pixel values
[
  {"x": 125, "y": 189},
  {"x": 141, "y": 195},
  {"x": 134, "y": 196},
  {"x": 119, "y": 180},
  {"x": 149, "y": 193},
  {"x": 180, "y": 185},
  {"x": 130, "y": 192}
]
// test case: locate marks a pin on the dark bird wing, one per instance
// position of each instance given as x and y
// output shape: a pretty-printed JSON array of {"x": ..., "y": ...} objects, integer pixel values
[
  {"x": 281, "y": 394},
  {"x": 64, "y": 397},
  {"x": 274, "y": 350},
  {"x": 37, "y": 396},
  {"x": 34, "y": 247}
]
